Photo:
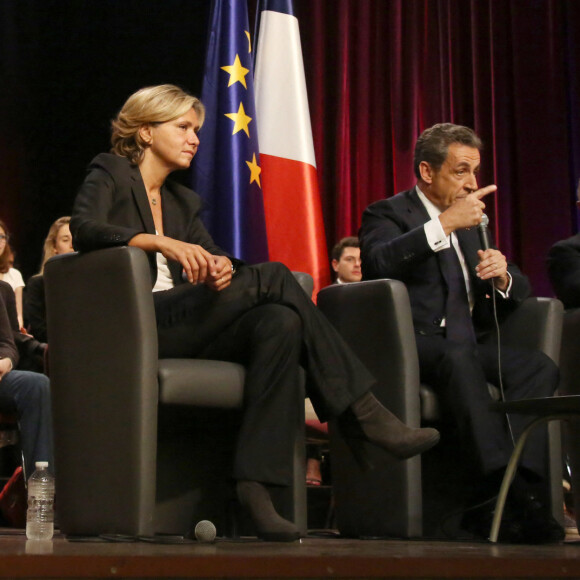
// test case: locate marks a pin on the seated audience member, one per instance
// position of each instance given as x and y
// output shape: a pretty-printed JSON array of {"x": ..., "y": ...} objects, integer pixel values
[
  {"x": 346, "y": 260},
  {"x": 8, "y": 273},
  {"x": 209, "y": 304},
  {"x": 427, "y": 237},
  {"x": 58, "y": 241},
  {"x": 27, "y": 394},
  {"x": 564, "y": 268}
]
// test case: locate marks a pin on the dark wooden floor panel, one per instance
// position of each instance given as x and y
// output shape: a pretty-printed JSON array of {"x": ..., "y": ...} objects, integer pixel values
[{"x": 311, "y": 558}]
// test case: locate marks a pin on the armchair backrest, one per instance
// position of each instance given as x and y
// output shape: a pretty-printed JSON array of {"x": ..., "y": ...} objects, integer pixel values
[
  {"x": 305, "y": 280},
  {"x": 570, "y": 353},
  {"x": 374, "y": 317},
  {"x": 103, "y": 346},
  {"x": 535, "y": 324}
]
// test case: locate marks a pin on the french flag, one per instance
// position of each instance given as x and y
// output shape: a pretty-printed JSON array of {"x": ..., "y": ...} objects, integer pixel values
[{"x": 292, "y": 205}]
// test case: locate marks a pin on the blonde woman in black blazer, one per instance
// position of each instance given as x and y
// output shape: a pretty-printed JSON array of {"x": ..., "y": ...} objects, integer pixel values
[{"x": 211, "y": 305}]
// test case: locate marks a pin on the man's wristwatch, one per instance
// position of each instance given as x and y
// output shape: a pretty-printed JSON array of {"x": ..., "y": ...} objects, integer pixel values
[{"x": 233, "y": 268}]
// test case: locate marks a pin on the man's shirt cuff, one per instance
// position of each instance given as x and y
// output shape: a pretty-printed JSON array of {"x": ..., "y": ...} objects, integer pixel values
[{"x": 436, "y": 237}]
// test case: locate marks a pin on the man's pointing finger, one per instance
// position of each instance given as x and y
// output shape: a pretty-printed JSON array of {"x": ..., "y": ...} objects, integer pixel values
[{"x": 485, "y": 191}]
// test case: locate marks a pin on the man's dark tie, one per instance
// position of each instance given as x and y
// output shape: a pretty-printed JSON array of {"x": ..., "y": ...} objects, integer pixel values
[{"x": 458, "y": 323}]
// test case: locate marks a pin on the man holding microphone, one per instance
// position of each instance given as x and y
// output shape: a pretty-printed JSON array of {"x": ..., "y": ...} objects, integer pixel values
[{"x": 428, "y": 238}]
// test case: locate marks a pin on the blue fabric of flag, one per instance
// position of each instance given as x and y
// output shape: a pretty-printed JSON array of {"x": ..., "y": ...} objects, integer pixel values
[
  {"x": 284, "y": 6},
  {"x": 226, "y": 169}
]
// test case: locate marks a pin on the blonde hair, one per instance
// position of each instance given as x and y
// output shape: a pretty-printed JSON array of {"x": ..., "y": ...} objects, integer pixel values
[
  {"x": 150, "y": 105},
  {"x": 50, "y": 243}
]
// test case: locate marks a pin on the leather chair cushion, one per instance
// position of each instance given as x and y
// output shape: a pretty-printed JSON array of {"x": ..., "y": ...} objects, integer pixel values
[
  {"x": 431, "y": 407},
  {"x": 201, "y": 383}
]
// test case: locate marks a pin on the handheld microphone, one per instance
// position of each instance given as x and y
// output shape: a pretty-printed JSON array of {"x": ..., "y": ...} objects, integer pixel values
[
  {"x": 205, "y": 532},
  {"x": 483, "y": 233}
]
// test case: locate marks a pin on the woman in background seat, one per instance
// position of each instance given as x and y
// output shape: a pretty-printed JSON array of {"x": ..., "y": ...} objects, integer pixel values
[
  {"x": 58, "y": 241},
  {"x": 7, "y": 271}
]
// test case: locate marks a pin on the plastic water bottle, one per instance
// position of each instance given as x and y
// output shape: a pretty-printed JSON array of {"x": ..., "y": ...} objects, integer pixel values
[{"x": 40, "y": 513}]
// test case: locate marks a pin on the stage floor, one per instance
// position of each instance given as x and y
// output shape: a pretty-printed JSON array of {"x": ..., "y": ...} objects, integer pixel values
[{"x": 313, "y": 557}]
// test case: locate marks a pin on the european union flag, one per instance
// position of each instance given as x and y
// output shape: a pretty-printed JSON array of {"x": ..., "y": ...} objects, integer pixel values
[{"x": 226, "y": 171}]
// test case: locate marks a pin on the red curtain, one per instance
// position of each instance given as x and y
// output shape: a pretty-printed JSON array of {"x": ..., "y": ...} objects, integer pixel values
[{"x": 380, "y": 71}]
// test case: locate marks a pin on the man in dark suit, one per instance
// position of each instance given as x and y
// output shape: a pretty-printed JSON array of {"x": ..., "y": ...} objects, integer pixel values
[
  {"x": 427, "y": 238},
  {"x": 564, "y": 268}
]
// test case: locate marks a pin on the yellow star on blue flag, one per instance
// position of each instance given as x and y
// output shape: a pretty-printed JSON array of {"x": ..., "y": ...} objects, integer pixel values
[
  {"x": 240, "y": 119},
  {"x": 237, "y": 72},
  {"x": 255, "y": 171}
]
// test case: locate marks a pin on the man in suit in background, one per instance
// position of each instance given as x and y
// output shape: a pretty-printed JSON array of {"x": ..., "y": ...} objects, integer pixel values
[
  {"x": 427, "y": 238},
  {"x": 564, "y": 267},
  {"x": 345, "y": 260}
]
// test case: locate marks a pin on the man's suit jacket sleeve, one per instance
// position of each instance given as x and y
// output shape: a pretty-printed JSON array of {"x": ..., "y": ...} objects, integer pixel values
[
  {"x": 394, "y": 245},
  {"x": 521, "y": 287},
  {"x": 390, "y": 245},
  {"x": 564, "y": 270},
  {"x": 482, "y": 314}
]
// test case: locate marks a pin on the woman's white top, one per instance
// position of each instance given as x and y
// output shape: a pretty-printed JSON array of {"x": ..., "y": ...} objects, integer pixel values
[
  {"x": 164, "y": 280},
  {"x": 14, "y": 278}
]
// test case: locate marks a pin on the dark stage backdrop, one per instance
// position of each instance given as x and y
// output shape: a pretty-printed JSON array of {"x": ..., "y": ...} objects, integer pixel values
[
  {"x": 67, "y": 67},
  {"x": 378, "y": 72}
]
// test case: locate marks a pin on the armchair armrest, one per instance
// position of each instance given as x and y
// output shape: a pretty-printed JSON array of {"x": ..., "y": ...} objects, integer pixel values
[
  {"x": 535, "y": 324},
  {"x": 305, "y": 280}
]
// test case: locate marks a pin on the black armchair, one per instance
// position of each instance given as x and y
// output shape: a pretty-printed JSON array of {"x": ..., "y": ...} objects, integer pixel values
[
  {"x": 142, "y": 445},
  {"x": 375, "y": 319},
  {"x": 570, "y": 385}
]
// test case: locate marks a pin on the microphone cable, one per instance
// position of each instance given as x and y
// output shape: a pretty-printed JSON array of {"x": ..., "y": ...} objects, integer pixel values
[
  {"x": 485, "y": 245},
  {"x": 498, "y": 338}
]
